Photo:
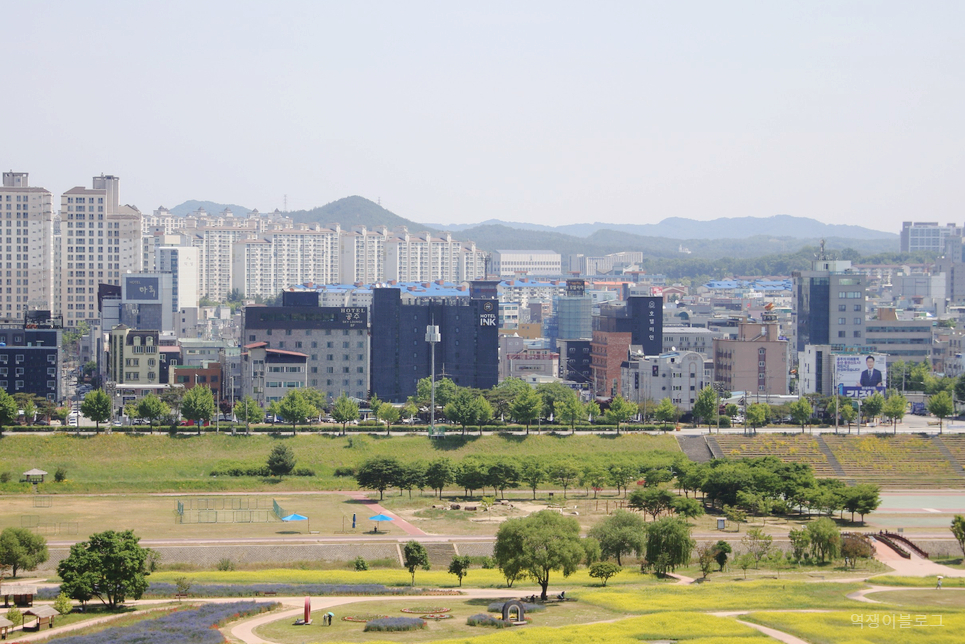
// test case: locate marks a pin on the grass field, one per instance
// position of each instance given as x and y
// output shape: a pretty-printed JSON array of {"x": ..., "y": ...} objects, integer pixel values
[
  {"x": 159, "y": 463},
  {"x": 840, "y": 627},
  {"x": 724, "y": 596},
  {"x": 563, "y": 624},
  {"x": 947, "y": 598}
]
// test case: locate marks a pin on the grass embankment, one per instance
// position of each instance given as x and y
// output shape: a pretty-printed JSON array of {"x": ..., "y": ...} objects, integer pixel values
[{"x": 160, "y": 463}]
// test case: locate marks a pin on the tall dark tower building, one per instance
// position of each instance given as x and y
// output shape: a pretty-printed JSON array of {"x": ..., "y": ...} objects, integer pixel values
[{"x": 468, "y": 353}]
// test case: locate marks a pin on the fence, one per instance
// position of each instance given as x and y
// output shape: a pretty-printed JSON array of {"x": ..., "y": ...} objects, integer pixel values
[
  {"x": 226, "y": 509},
  {"x": 49, "y": 528}
]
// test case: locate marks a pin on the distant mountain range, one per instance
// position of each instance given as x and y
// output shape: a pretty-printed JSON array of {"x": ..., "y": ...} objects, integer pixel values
[
  {"x": 186, "y": 208},
  {"x": 722, "y": 228},
  {"x": 673, "y": 238}
]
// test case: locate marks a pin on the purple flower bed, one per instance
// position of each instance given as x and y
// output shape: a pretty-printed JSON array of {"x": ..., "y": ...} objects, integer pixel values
[
  {"x": 395, "y": 624},
  {"x": 194, "y": 626},
  {"x": 482, "y": 619},
  {"x": 161, "y": 589}
]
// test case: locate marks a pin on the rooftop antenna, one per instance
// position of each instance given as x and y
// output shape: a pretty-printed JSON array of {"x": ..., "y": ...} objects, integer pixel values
[{"x": 824, "y": 255}]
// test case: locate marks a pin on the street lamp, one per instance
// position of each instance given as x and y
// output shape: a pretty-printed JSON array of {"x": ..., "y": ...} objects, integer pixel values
[{"x": 432, "y": 337}]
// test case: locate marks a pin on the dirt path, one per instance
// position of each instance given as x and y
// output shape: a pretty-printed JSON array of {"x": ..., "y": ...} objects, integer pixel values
[{"x": 375, "y": 508}]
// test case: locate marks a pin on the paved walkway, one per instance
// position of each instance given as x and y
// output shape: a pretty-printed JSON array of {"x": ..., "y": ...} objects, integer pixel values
[
  {"x": 914, "y": 567},
  {"x": 374, "y": 507}
]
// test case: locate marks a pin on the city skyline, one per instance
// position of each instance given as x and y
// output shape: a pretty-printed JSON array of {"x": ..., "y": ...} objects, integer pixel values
[{"x": 545, "y": 113}]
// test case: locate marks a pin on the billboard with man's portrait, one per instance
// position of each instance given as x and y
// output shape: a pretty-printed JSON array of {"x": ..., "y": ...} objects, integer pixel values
[{"x": 861, "y": 375}]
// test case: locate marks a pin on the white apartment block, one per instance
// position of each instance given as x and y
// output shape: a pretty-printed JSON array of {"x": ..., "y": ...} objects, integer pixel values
[
  {"x": 510, "y": 263},
  {"x": 422, "y": 257},
  {"x": 26, "y": 244},
  {"x": 100, "y": 241},
  {"x": 277, "y": 260},
  {"x": 216, "y": 246},
  {"x": 362, "y": 255},
  {"x": 183, "y": 264}
]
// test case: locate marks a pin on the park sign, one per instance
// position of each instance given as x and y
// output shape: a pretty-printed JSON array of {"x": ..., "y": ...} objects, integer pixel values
[{"x": 860, "y": 375}]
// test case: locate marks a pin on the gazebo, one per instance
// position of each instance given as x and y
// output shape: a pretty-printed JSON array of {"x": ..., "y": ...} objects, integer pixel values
[
  {"x": 5, "y": 626},
  {"x": 22, "y": 595},
  {"x": 34, "y": 476},
  {"x": 44, "y": 614}
]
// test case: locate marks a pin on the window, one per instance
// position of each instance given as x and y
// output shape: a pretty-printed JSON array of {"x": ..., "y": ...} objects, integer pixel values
[
  {"x": 857, "y": 320},
  {"x": 842, "y": 334},
  {"x": 857, "y": 334},
  {"x": 842, "y": 320},
  {"x": 842, "y": 307},
  {"x": 857, "y": 308}
]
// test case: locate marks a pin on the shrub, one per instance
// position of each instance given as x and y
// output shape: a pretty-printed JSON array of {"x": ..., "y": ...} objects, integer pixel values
[
  {"x": 482, "y": 619},
  {"x": 345, "y": 471},
  {"x": 225, "y": 565},
  {"x": 5, "y": 477},
  {"x": 303, "y": 471},
  {"x": 14, "y": 615},
  {"x": 488, "y": 563},
  {"x": 360, "y": 564},
  {"x": 60, "y": 474},
  {"x": 62, "y": 604},
  {"x": 395, "y": 624}
]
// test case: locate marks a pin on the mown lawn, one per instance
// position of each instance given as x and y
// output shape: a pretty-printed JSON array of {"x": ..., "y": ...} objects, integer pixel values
[
  {"x": 143, "y": 463},
  {"x": 843, "y": 627}
]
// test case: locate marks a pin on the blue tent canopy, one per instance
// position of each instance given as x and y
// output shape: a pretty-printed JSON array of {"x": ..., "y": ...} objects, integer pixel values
[
  {"x": 381, "y": 517},
  {"x": 295, "y": 517}
]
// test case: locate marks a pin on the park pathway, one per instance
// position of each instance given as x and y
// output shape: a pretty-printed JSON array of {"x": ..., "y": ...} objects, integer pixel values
[
  {"x": 914, "y": 567},
  {"x": 374, "y": 507}
]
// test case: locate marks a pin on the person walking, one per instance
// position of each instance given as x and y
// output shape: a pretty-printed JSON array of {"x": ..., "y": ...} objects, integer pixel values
[{"x": 939, "y": 586}]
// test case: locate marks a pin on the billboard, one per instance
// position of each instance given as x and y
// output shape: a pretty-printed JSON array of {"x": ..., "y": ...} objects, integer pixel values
[
  {"x": 142, "y": 288},
  {"x": 861, "y": 375}
]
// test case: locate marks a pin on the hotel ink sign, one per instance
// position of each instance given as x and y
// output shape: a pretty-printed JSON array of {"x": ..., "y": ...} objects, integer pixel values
[{"x": 488, "y": 315}]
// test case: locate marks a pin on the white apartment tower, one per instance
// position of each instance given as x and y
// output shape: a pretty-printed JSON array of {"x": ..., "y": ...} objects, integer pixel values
[
  {"x": 277, "y": 260},
  {"x": 362, "y": 255},
  {"x": 100, "y": 241},
  {"x": 26, "y": 235},
  {"x": 424, "y": 258}
]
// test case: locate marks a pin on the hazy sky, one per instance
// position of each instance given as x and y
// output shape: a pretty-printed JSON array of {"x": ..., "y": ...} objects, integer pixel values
[{"x": 455, "y": 112}]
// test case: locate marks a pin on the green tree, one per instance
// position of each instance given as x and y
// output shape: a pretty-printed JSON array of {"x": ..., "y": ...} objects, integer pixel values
[
  {"x": 603, "y": 570},
  {"x": 757, "y": 544},
  {"x": 564, "y": 473},
  {"x": 825, "y": 538},
  {"x": 894, "y": 408},
  {"x": 472, "y": 475},
  {"x": 294, "y": 409},
  {"x": 344, "y": 410},
  {"x": 668, "y": 544},
  {"x": 666, "y": 412},
  {"x": 533, "y": 473},
  {"x": 721, "y": 550},
  {"x": 388, "y": 414},
  {"x": 172, "y": 397},
  {"x": 526, "y": 407},
  {"x": 539, "y": 544},
  {"x": 570, "y": 412},
  {"x": 687, "y": 507},
  {"x": 21, "y": 549},
  {"x": 281, "y": 460},
  {"x": 152, "y": 409},
  {"x": 503, "y": 475},
  {"x": 459, "y": 566},
  {"x": 872, "y": 406},
  {"x": 97, "y": 407},
  {"x": 744, "y": 562},
  {"x": 465, "y": 408},
  {"x": 958, "y": 531},
  {"x": 414, "y": 556},
  {"x": 8, "y": 410},
  {"x": 555, "y": 396},
  {"x": 63, "y": 605},
  {"x": 801, "y": 411},
  {"x": 249, "y": 411},
  {"x": 379, "y": 474},
  {"x": 110, "y": 566},
  {"x": 620, "y": 411},
  {"x": 800, "y": 541},
  {"x": 439, "y": 474},
  {"x": 863, "y": 498},
  {"x": 651, "y": 500},
  {"x": 198, "y": 405},
  {"x": 409, "y": 410},
  {"x": 593, "y": 476},
  {"x": 413, "y": 475},
  {"x": 705, "y": 407},
  {"x": 445, "y": 390},
  {"x": 940, "y": 405},
  {"x": 621, "y": 475},
  {"x": 502, "y": 395},
  {"x": 620, "y": 534},
  {"x": 757, "y": 415}
]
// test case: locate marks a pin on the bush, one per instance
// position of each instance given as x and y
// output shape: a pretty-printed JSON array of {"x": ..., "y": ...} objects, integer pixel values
[
  {"x": 345, "y": 471},
  {"x": 5, "y": 477},
  {"x": 225, "y": 565},
  {"x": 60, "y": 474},
  {"x": 488, "y": 563},
  {"x": 62, "y": 604},
  {"x": 482, "y": 619},
  {"x": 360, "y": 564},
  {"x": 395, "y": 624},
  {"x": 15, "y": 616}
]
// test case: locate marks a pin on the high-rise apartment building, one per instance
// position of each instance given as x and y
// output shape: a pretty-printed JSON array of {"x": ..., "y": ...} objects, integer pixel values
[
  {"x": 926, "y": 236},
  {"x": 266, "y": 265},
  {"x": 424, "y": 257},
  {"x": 27, "y": 247},
  {"x": 509, "y": 263},
  {"x": 100, "y": 241},
  {"x": 362, "y": 255}
]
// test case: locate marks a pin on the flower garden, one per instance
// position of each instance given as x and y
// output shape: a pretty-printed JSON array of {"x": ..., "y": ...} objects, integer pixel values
[{"x": 797, "y": 448}]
